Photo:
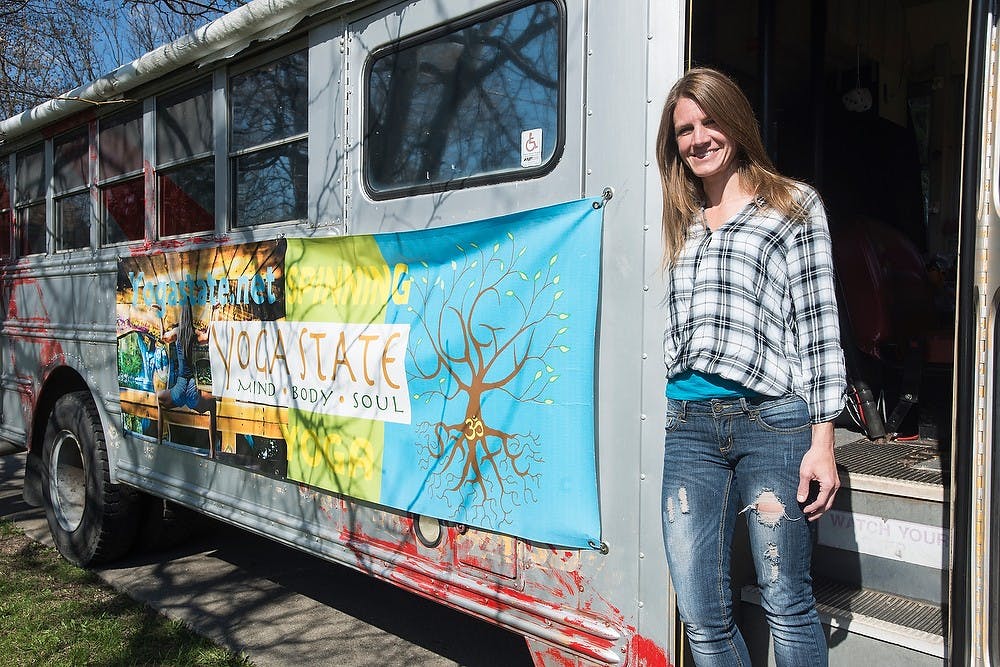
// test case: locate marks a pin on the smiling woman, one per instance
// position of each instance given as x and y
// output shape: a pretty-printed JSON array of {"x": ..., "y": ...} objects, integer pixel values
[
  {"x": 755, "y": 374},
  {"x": 703, "y": 145}
]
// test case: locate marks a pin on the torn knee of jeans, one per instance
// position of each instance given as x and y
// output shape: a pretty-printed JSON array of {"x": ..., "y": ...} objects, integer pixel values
[
  {"x": 768, "y": 509},
  {"x": 670, "y": 509},
  {"x": 774, "y": 558}
]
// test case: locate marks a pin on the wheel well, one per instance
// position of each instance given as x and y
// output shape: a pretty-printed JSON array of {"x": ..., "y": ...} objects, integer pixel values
[{"x": 60, "y": 381}]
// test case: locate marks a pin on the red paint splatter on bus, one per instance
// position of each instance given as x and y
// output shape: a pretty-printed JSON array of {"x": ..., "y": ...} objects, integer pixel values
[
  {"x": 644, "y": 652},
  {"x": 553, "y": 656}
]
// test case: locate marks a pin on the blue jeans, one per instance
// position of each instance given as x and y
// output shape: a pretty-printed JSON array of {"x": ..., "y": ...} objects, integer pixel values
[{"x": 724, "y": 458}]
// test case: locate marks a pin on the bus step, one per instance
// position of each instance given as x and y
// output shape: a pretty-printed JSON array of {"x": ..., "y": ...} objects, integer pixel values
[
  {"x": 887, "y": 618},
  {"x": 910, "y": 469}
]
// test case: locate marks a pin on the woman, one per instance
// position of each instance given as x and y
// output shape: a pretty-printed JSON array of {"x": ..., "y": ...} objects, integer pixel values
[
  {"x": 755, "y": 372},
  {"x": 184, "y": 391}
]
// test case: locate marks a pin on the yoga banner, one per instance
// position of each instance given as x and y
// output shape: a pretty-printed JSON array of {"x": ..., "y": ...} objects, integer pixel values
[{"x": 447, "y": 372}]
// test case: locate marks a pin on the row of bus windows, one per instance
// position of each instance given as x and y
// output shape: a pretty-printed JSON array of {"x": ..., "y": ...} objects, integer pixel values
[
  {"x": 267, "y": 156},
  {"x": 482, "y": 101}
]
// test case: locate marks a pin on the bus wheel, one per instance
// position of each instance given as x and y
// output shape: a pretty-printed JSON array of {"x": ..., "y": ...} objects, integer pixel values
[{"x": 92, "y": 521}]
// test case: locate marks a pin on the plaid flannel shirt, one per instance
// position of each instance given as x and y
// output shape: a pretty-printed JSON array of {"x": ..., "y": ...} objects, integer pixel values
[{"x": 754, "y": 302}]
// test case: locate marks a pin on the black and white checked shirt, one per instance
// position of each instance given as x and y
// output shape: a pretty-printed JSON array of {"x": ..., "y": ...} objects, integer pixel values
[{"x": 755, "y": 303}]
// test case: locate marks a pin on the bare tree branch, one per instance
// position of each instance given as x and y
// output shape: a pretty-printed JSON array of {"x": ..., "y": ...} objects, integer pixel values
[{"x": 51, "y": 46}]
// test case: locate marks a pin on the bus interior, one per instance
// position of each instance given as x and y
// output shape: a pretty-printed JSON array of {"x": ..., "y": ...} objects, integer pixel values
[{"x": 864, "y": 100}]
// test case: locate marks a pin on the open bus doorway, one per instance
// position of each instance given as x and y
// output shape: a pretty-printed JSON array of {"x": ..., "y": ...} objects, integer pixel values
[{"x": 864, "y": 100}]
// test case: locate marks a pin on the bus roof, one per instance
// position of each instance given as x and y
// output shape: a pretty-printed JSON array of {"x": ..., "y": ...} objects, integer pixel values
[{"x": 222, "y": 38}]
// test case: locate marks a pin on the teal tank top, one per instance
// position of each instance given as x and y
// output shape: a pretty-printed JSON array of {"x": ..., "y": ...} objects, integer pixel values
[{"x": 698, "y": 386}]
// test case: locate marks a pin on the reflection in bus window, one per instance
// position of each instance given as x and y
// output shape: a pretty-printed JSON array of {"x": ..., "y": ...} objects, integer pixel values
[
  {"x": 122, "y": 193},
  {"x": 456, "y": 106},
  {"x": 185, "y": 168},
  {"x": 5, "y": 212},
  {"x": 71, "y": 180},
  {"x": 29, "y": 194},
  {"x": 187, "y": 198},
  {"x": 32, "y": 222},
  {"x": 269, "y": 156},
  {"x": 72, "y": 221}
]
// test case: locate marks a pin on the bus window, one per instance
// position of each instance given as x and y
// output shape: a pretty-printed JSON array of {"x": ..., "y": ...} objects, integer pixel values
[
  {"x": 120, "y": 182},
  {"x": 71, "y": 169},
  {"x": 5, "y": 212},
  {"x": 481, "y": 102},
  {"x": 269, "y": 150},
  {"x": 184, "y": 158},
  {"x": 29, "y": 193}
]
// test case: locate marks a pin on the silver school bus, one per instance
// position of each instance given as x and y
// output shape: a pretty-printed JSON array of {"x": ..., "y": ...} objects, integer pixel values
[{"x": 241, "y": 284}]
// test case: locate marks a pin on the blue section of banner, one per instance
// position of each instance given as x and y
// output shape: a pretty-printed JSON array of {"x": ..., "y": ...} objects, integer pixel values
[{"x": 500, "y": 371}]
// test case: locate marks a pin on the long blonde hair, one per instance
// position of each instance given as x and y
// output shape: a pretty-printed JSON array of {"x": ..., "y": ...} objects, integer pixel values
[
  {"x": 723, "y": 101},
  {"x": 185, "y": 333}
]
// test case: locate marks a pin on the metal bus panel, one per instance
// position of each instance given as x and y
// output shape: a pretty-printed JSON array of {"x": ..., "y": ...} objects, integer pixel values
[
  {"x": 597, "y": 153},
  {"x": 327, "y": 46},
  {"x": 625, "y": 93}
]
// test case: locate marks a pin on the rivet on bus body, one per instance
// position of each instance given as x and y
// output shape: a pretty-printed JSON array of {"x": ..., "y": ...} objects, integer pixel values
[
  {"x": 645, "y": 228},
  {"x": 640, "y": 604},
  {"x": 642, "y": 416},
  {"x": 645, "y": 288},
  {"x": 642, "y": 555},
  {"x": 649, "y": 36},
  {"x": 642, "y": 475},
  {"x": 589, "y": 172},
  {"x": 590, "y": 112},
  {"x": 645, "y": 356},
  {"x": 645, "y": 164}
]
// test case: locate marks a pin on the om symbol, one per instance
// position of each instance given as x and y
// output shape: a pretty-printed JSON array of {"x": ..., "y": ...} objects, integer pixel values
[{"x": 474, "y": 429}]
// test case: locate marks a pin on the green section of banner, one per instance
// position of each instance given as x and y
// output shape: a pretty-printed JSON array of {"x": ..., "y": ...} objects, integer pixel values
[
  {"x": 340, "y": 454},
  {"x": 343, "y": 280},
  {"x": 338, "y": 280}
]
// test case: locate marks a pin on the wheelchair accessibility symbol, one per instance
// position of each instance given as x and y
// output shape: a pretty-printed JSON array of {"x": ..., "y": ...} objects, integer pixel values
[{"x": 531, "y": 148}]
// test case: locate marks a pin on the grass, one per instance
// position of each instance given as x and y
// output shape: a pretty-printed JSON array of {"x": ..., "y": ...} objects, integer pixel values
[{"x": 52, "y": 613}]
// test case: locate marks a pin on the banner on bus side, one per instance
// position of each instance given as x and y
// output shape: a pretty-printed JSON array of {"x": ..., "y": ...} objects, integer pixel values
[{"x": 447, "y": 372}]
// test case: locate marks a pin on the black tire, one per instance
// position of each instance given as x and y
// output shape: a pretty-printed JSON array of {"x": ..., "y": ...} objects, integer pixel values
[{"x": 92, "y": 521}]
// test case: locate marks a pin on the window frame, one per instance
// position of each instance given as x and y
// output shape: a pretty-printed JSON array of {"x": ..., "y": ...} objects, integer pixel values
[
  {"x": 7, "y": 212},
  {"x": 59, "y": 196},
  {"x": 232, "y": 156},
  {"x": 22, "y": 209},
  {"x": 431, "y": 34},
  {"x": 102, "y": 184},
  {"x": 162, "y": 168}
]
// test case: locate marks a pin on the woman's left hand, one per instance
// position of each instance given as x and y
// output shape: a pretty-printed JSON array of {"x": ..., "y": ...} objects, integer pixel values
[{"x": 819, "y": 466}]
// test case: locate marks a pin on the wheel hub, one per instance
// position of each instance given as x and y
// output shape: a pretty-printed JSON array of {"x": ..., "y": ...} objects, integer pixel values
[{"x": 68, "y": 481}]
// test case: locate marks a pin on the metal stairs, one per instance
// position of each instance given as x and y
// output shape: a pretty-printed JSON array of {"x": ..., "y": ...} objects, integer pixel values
[{"x": 880, "y": 566}]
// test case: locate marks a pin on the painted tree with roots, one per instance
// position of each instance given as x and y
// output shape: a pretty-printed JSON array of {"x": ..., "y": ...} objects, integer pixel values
[{"x": 484, "y": 343}]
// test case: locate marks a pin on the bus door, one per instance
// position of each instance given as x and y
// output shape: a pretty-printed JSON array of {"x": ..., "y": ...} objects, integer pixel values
[{"x": 862, "y": 100}]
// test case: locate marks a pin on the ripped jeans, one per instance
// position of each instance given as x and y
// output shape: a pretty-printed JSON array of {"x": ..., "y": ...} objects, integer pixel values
[{"x": 723, "y": 458}]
